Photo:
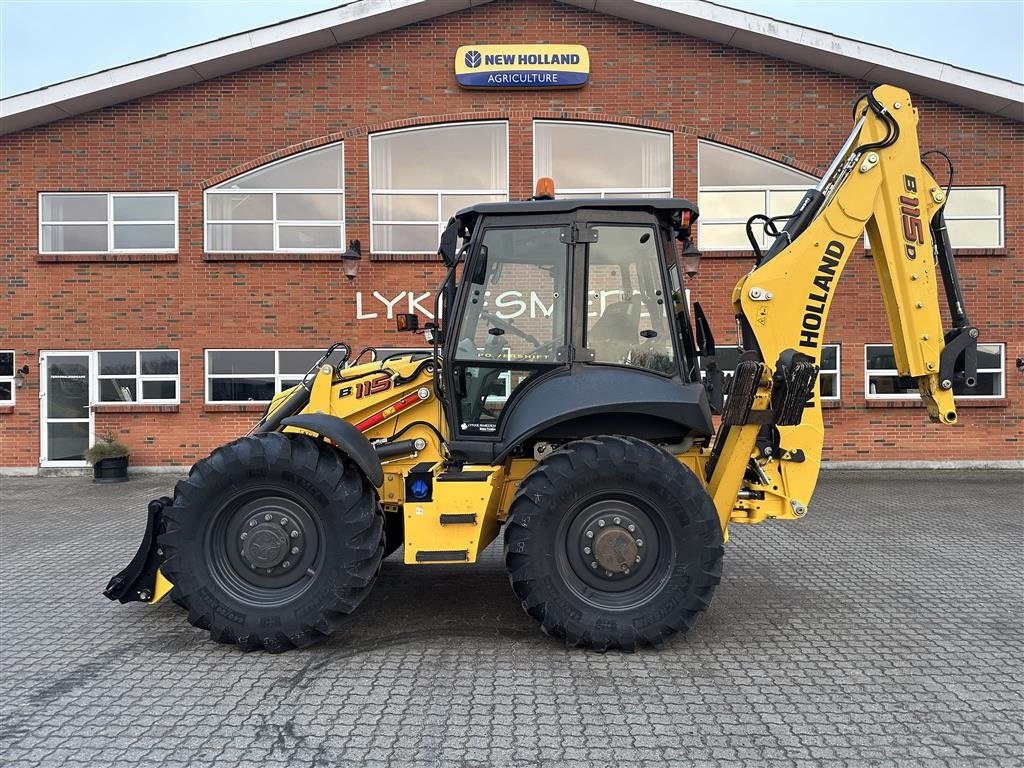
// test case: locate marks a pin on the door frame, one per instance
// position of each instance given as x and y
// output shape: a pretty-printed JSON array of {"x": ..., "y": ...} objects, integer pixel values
[{"x": 44, "y": 356}]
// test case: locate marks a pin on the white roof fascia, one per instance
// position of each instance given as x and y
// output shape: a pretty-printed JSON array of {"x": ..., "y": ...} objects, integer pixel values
[
  {"x": 822, "y": 50},
  {"x": 361, "y": 18},
  {"x": 206, "y": 61}
]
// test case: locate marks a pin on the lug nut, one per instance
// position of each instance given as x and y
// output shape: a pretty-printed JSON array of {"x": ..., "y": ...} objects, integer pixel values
[
  {"x": 268, "y": 518},
  {"x": 295, "y": 550},
  {"x": 608, "y": 574},
  {"x": 617, "y": 520},
  {"x": 244, "y": 535},
  {"x": 600, "y": 523},
  {"x": 252, "y": 523},
  {"x": 295, "y": 534},
  {"x": 593, "y": 564},
  {"x": 586, "y": 550},
  {"x": 590, "y": 534},
  {"x": 269, "y": 571},
  {"x": 630, "y": 527},
  {"x": 639, "y": 542},
  {"x": 625, "y": 571},
  {"x": 286, "y": 564},
  {"x": 284, "y": 521}
]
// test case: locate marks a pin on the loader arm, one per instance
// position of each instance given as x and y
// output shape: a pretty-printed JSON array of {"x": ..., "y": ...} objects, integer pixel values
[{"x": 877, "y": 183}]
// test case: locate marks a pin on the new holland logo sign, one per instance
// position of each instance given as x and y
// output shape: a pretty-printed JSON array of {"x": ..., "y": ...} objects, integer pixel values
[{"x": 522, "y": 66}]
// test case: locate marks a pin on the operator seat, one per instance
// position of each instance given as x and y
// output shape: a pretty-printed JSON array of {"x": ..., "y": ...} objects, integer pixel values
[{"x": 616, "y": 331}]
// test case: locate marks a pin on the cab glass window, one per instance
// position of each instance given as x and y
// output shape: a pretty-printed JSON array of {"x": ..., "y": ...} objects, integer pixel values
[{"x": 627, "y": 316}]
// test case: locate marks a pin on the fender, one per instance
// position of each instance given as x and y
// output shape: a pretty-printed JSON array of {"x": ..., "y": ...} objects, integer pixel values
[{"x": 349, "y": 440}]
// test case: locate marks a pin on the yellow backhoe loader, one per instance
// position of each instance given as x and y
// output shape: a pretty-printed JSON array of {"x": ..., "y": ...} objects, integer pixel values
[{"x": 568, "y": 399}]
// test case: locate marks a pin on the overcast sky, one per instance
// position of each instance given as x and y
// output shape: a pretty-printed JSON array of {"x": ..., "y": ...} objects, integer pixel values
[{"x": 46, "y": 41}]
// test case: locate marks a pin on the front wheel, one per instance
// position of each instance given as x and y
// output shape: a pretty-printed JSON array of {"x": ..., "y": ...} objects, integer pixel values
[
  {"x": 612, "y": 543},
  {"x": 271, "y": 541}
]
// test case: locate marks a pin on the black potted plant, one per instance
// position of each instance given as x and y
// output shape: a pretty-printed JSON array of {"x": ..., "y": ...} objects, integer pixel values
[{"x": 109, "y": 459}]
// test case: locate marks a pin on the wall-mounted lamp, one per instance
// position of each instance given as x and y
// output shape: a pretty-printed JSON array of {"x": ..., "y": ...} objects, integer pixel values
[
  {"x": 352, "y": 256},
  {"x": 690, "y": 258},
  {"x": 20, "y": 376}
]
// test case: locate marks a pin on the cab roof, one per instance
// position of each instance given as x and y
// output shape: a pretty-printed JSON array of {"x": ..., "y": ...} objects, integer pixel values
[{"x": 659, "y": 206}]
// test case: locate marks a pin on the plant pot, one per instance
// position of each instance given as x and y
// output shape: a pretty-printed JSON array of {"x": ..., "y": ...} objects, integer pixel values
[{"x": 110, "y": 470}]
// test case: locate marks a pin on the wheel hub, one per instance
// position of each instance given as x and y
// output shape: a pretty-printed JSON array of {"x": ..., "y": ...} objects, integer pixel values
[
  {"x": 271, "y": 541},
  {"x": 615, "y": 550}
]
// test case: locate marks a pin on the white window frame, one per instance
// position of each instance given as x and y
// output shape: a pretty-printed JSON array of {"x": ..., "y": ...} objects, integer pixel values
[
  {"x": 438, "y": 193},
  {"x": 276, "y": 223},
  {"x": 109, "y": 222},
  {"x": 835, "y": 371},
  {"x": 886, "y": 372},
  {"x": 1000, "y": 217},
  {"x": 276, "y": 374},
  {"x": 138, "y": 376},
  {"x": 10, "y": 379},
  {"x": 603, "y": 192}
]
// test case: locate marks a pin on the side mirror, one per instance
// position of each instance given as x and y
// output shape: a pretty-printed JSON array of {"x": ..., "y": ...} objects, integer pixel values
[
  {"x": 449, "y": 242},
  {"x": 407, "y": 322}
]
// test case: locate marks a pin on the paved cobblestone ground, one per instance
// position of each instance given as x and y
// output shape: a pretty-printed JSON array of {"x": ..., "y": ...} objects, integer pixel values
[{"x": 884, "y": 629}]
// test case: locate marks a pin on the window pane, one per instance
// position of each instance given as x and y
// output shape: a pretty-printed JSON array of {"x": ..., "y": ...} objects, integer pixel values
[
  {"x": 452, "y": 204},
  {"x": 144, "y": 208},
  {"x": 240, "y": 207},
  {"x": 240, "y": 237},
  {"x": 242, "y": 361},
  {"x": 973, "y": 233},
  {"x": 317, "y": 169},
  {"x": 827, "y": 384},
  {"x": 6, "y": 391},
  {"x": 159, "y": 390},
  {"x": 782, "y": 202},
  {"x": 298, "y": 207},
  {"x": 466, "y": 156},
  {"x": 723, "y": 236},
  {"x": 6, "y": 363},
  {"x": 567, "y": 151},
  {"x": 892, "y": 385},
  {"x": 297, "y": 361},
  {"x": 405, "y": 208},
  {"x": 119, "y": 390},
  {"x": 405, "y": 237},
  {"x": 67, "y": 441},
  {"x": 720, "y": 166},
  {"x": 114, "y": 363},
  {"x": 964, "y": 201},
  {"x": 75, "y": 207},
  {"x": 242, "y": 389},
  {"x": 309, "y": 237},
  {"x": 158, "y": 362},
  {"x": 880, "y": 357},
  {"x": 75, "y": 237},
  {"x": 730, "y": 205},
  {"x": 829, "y": 355},
  {"x": 143, "y": 236},
  {"x": 990, "y": 356}
]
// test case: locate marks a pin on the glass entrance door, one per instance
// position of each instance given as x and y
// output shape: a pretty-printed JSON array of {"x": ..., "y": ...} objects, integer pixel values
[{"x": 67, "y": 424}]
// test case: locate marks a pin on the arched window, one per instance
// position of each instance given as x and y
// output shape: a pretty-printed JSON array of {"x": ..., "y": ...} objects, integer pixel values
[
  {"x": 294, "y": 205},
  {"x": 733, "y": 185},
  {"x": 590, "y": 159},
  {"x": 419, "y": 177}
]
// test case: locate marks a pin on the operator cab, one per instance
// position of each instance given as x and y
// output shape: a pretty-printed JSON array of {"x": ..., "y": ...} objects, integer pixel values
[{"x": 569, "y": 320}]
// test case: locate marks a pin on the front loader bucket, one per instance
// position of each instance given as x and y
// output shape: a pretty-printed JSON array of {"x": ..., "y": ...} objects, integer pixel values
[{"x": 138, "y": 582}]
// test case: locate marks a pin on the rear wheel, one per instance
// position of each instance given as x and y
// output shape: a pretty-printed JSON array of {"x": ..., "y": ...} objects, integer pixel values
[
  {"x": 271, "y": 541},
  {"x": 612, "y": 543}
]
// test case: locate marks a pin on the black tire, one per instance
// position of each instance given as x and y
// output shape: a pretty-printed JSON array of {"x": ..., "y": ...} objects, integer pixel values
[
  {"x": 574, "y": 509},
  {"x": 287, "y": 582},
  {"x": 394, "y": 532}
]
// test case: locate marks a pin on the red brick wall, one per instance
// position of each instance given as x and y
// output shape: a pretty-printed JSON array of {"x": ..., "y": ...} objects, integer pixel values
[{"x": 190, "y": 137}]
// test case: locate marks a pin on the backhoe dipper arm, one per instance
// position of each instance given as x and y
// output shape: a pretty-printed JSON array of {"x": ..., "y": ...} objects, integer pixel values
[{"x": 879, "y": 184}]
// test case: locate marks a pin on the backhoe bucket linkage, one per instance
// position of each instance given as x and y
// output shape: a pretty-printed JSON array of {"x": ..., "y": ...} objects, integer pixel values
[{"x": 139, "y": 581}]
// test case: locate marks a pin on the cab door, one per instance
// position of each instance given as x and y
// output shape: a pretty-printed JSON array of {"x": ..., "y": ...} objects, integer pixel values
[{"x": 512, "y": 321}]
